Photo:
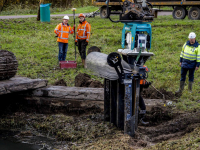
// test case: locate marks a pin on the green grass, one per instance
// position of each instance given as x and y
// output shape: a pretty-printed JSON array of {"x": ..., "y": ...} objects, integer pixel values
[
  {"x": 87, "y": 9},
  {"x": 36, "y": 49}
]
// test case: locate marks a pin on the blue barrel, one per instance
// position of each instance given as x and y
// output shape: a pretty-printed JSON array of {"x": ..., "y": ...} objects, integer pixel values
[{"x": 45, "y": 12}]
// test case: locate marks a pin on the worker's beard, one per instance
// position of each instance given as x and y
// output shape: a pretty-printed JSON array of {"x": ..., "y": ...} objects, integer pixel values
[{"x": 192, "y": 42}]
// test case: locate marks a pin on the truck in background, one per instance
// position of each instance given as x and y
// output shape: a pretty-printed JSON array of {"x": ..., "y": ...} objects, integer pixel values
[{"x": 181, "y": 8}]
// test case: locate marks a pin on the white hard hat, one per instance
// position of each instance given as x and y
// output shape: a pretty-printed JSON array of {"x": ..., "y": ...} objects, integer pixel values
[
  {"x": 192, "y": 35},
  {"x": 66, "y": 17}
]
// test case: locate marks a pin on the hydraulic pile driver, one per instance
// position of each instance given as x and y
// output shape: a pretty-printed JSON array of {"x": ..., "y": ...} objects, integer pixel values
[{"x": 122, "y": 76}]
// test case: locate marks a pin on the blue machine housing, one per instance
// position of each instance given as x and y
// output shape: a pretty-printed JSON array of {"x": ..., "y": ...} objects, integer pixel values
[{"x": 136, "y": 28}]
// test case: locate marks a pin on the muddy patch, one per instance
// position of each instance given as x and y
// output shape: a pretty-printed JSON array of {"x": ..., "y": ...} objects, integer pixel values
[
  {"x": 60, "y": 82},
  {"x": 159, "y": 114},
  {"x": 176, "y": 126},
  {"x": 84, "y": 80},
  {"x": 90, "y": 131},
  {"x": 151, "y": 93}
]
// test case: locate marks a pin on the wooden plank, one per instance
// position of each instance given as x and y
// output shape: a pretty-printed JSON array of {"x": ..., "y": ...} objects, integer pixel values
[
  {"x": 155, "y": 102},
  {"x": 170, "y": 3},
  {"x": 17, "y": 84},
  {"x": 69, "y": 103},
  {"x": 80, "y": 93},
  {"x": 73, "y": 98}
]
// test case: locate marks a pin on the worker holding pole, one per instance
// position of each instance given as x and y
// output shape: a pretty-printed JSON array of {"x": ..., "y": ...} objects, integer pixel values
[
  {"x": 189, "y": 61},
  {"x": 74, "y": 9},
  {"x": 62, "y": 31},
  {"x": 82, "y": 36}
]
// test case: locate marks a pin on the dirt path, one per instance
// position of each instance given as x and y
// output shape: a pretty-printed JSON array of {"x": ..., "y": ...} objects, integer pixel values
[
  {"x": 163, "y": 13},
  {"x": 29, "y": 16}
]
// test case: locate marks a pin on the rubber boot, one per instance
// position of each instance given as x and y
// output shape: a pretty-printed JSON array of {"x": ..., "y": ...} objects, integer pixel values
[
  {"x": 142, "y": 114},
  {"x": 83, "y": 61},
  {"x": 190, "y": 87},
  {"x": 182, "y": 84}
]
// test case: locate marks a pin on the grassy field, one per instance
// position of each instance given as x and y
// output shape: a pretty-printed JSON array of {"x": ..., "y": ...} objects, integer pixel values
[{"x": 36, "y": 49}]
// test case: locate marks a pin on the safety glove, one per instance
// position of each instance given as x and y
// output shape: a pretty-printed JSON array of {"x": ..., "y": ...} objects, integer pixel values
[
  {"x": 76, "y": 43},
  {"x": 147, "y": 84},
  {"x": 85, "y": 43}
]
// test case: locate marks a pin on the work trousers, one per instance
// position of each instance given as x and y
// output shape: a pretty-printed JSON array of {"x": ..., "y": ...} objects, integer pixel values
[
  {"x": 82, "y": 48},
  {"x": 62, "y": 51},
  {"x": 184, "y": 73}
]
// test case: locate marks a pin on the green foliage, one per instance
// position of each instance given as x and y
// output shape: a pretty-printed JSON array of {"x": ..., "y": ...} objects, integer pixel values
[
  {"x": 8, "y": 4},
  {"x": 19, "y": 9},
  {"x": 33, "y": 10}
]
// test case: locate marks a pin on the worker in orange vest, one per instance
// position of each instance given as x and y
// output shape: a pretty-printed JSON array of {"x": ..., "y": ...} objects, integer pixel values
[
  {"x": 82, "y": 36},
  {"x": 62, "y": 31},
  {"x": 143, "y": 84}
]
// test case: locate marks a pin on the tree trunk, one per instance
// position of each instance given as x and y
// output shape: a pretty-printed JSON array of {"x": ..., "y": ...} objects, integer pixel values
[
  {"x": 38, "y": 14},
  {"x": 3, "y": 4}
]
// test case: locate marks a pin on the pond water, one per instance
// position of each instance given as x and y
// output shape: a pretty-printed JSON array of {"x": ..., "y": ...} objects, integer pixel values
[{"x": 10, "y": 145}]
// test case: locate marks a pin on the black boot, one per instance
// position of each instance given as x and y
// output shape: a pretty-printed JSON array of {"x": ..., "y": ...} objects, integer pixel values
[
  {"x": 190, "y": 87},
  {"x": 142, "y": 116},
  {"x": 179, "y": 92},
  {"x": 182, "y": 84}
]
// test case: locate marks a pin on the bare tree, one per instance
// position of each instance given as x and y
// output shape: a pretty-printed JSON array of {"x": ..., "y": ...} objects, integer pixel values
[{"x": 38, "y": 14}]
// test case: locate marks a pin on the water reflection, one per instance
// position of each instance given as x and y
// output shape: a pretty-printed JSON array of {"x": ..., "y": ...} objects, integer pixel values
[{"x": 9, "y": 145}]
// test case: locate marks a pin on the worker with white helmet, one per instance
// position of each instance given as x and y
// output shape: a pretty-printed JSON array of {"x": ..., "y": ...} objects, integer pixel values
[
  {"x": 62, "y": 31},
  {"x": 189, "y": 61}
]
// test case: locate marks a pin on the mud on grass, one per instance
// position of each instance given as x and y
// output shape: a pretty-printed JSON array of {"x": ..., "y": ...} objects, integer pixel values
[
  {"x": 151, "y": 93},
  {"x": 89, "y": 131}
]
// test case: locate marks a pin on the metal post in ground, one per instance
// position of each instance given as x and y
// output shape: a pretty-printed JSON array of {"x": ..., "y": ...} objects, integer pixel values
[{"x": 74, "y": 9}]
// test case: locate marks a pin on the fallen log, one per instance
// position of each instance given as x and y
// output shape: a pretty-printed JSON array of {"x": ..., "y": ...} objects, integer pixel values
[
  {"x": 76, "y": 93},
  {"x": 18, "y": 84},
  {"x": 75, "y": 97}
]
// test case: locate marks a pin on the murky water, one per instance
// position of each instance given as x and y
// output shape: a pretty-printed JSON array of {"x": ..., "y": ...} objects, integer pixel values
[{"x": 10, "y": 145}]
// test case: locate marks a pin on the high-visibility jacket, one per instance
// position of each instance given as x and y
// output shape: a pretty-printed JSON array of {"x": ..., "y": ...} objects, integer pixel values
[
  {"x": 190, "y": 55},
  {"x": 83, "y": 31},
  {"x": 63, "y": 32}
]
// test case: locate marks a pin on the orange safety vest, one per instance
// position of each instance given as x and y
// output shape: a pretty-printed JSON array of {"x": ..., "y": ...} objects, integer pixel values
[
  {"x": 83, "y": 31},
  {"x": 63, "y": 32}
]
